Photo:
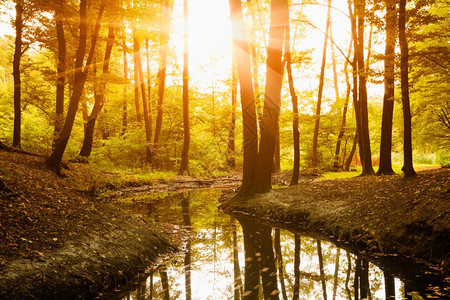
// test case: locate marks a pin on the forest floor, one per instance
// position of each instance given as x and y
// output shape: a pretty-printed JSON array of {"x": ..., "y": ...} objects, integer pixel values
[{"x": 57, "y": 233}]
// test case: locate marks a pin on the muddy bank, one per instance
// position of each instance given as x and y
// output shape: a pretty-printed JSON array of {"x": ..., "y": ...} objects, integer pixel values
[
  {"x": 378, "y": 216},
  {"x": 90, "y": 266}
]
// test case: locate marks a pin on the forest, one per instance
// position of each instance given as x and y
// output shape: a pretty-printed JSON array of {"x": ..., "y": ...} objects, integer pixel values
[
  {"x": 108, "y": 83},
  {"x": 125, "y": 125}
]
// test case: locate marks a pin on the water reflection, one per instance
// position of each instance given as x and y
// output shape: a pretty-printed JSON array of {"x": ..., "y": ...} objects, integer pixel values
[{"x": 226, "y": 259}]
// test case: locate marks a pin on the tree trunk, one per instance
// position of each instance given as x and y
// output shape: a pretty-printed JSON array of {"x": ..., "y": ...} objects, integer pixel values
[
  {"x": 138, "y": 68},
  {"x": 347, "y": 277},
  {"x": 319, "y": 97},
  {"x": 18, "y": 24},
  {"x": 272, "y": 99},
  {"x": 337, "y": 151},
  {"x": 231, "y": 149},
  {"x": 295, "y": 131},
  {"x": 267, "y": 264},
  {"x": 366, "y": 158},
  {"x": 99, "y": 99},
  {"x": 254, "y": 57},
  {"x": 404, "y": 57},
  {"x": 137, "y": 103},
  {"x": 149, "y": 86},
  {"x": 184, "y": 165},
  {"x": 165, "y": 282},
  {"x": 322, "y": 273},
  {"x": 162, "y": 78},
  {"x": 385, "y": 166},
  {"x": 297, "y": 249},
  {"x": 352, "y": 152},
  {"x": 61, "y": 71},
  {"x": 364, "y": 279},
  {"x": 125, "y": 86},
  {"x": 357, "y": 277},
  {"x": 80, "y": 76},
  {"x": 279, "y": 261},
  {"x": 250, "y": 133}
]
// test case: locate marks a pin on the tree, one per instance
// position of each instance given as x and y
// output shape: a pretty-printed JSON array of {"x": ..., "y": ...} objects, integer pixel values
[
  {"x": 61, "y": 68},
  {"x": 184, "y": 166},
  {"x": 250, "y": 133},
  {"x": 272, "y": 99},
  {"x": 164, "y": 40},
  {"x": 99, "y": 98},
  {"x": 80, "y": 76},
  {"x": 407, "y": 168},
  {"x": 385, "y": 166},
  {"x": 231, "y": 156},
  {"x": 319, "y": 95},
  {"x": 18, "y": 24}
]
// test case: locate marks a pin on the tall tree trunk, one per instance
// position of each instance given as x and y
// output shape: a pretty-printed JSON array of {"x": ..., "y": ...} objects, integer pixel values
[
  {"x": 137, "y": 103},
  {"x": 61, "y": 70},
  {"x": 18, "y": 24},
  {"x": 322, "y": 273},
  {"x": 279, "y": 261},
  {"x": 337, "y": 151},
  {"x": 297, "y": 249},
  {"x": 125, "y": 86},
  {"x": 272, "y": 100},
  {"x": 162, "y": 78},
  {"x": 184, "y": 165},
  {"x": 99, "y": 98},
  {"x": 231, "y": 149},
  {"x": 294, "y": 100},
  {"x": 80, "y": 76},
  {"x": 238, "y": 288},
  {"x": 315, "y": 157},
  {"x": 254, "y": 56},
  {"x": 366, "y": 158},
  {"x": 385, "y": 166},
  {"x": 404, "y": 57},
  {"x": 149, "y": 86},
  {"x": 247, "y": 96},
  {"x": 139, "y": 69},
  {"x": 389, "y": 286},
  {"x": 352, "y": 152}
]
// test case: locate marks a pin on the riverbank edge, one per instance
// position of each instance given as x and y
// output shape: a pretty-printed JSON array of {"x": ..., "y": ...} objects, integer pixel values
[
  {"x": 90, "y": 266},
  {"x": 378, "y": 216}
]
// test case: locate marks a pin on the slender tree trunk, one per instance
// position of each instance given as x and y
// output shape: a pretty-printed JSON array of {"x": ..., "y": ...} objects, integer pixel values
[
  {"x": 408, "y": 167},
  {"x": 322, "y": 273},
  {"x": 319, "y": 97},
  {"x": 279, "y": 261},
  {"x": 255, "y": 64},
  {"x": 149, "y": 86},
  {"x": 238, "y": 287},
  {"x": 247, "y": 96},
  {"x": 272, "y": 99},
  {"x": 80, "y": 76},
  {"x": 162, "y": 79},
  {"x": 18, "y": 24},
  {"x": 294, "y": 99},
  {"x": 99, "y": 99},
  {"x": 357, "y": 278},
  {"x": 297, "y": 250},
  {"x": 137, "y": 103},
  {"x": 231, "y": 151},
  {"x": 337, "y": 151},
  {"x": 385, "y": 166},
  {"x": 141, "y": 83},
  {"x": 352, "y": 152},
  {"x": 366, "y": 159},
  {"x": 61, "y": 70},
  {"x": 389, "y": 286},
  {"x": 336, "y": 273},
  {"x": 125, "y": 86},
  {"x": 184, "y": 165}
]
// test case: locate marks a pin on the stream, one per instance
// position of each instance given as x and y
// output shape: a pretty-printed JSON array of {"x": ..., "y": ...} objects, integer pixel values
[{"x": 212, "y": 266}]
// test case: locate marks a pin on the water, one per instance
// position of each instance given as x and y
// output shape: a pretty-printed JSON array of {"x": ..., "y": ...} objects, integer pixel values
[{"x": 214, "y": 260}]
